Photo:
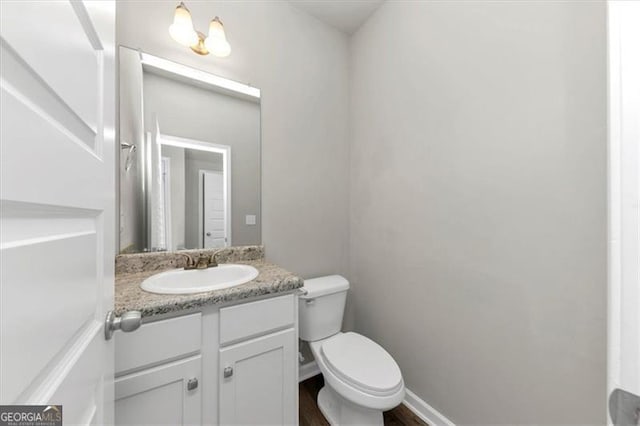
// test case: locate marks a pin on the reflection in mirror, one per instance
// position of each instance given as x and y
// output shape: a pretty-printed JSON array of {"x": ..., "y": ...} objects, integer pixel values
[
  {"x": 190, "y": 162},
  {"x": 192, "y": 206}
]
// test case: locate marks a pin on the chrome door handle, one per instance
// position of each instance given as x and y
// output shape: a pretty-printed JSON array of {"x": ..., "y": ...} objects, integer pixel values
[
  {"x": 228, "y": 372},
  {"x": 129, "y": 321}
]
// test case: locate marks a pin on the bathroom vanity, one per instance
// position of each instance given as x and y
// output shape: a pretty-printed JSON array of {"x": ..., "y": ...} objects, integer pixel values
[{"x": 221, "y": 357}]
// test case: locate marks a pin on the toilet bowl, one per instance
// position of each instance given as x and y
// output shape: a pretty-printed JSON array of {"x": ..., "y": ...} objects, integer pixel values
[{"x": 361, "y": 379}]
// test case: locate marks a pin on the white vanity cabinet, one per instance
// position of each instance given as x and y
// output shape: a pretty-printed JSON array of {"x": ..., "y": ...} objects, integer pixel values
[
  {"x": 258, "y": 384},
  {"x": 159, "y": 373},
  {"x": 258, "y": 375},
  {"x": 161, "y": 395},
  {"x": 231, "y": 365}
]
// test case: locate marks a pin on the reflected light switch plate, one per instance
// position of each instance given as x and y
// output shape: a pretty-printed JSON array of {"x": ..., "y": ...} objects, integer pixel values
[{"x": 250, "y": 219}]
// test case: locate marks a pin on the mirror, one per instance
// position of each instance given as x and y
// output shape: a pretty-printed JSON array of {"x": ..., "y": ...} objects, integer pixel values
[{"x": 190, "y": 157}]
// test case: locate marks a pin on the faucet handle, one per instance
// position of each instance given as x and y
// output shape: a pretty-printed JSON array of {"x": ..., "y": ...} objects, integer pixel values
[
  {"x": 212, "y": 260},
  {"x": 190, "y": 263}
]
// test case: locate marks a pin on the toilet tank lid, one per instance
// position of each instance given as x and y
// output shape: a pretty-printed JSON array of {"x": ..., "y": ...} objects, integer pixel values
[{"x": 316, "y": 287}]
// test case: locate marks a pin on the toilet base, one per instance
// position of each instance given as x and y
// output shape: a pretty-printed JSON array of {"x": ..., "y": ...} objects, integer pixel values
[{"x": 339, "y": 411}]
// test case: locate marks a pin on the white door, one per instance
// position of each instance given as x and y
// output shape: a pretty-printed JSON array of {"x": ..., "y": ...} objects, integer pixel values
[
  {"x": 257, "y": 379},
  {"x": 624, "y": 213},
  {"x": 214, "y": 209},
  {"x": 57, "y": 193}
]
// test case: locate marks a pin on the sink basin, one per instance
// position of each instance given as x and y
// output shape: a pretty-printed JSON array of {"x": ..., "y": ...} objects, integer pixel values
[{"x": 182, "y": 281}]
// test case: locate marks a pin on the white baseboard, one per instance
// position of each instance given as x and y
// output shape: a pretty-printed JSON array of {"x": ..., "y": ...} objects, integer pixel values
[
  {"x": 307, "y": 371},
  {"x": 423, "y": 410}
]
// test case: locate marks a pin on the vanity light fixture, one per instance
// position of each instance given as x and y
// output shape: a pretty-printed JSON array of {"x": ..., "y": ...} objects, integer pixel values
[
  {"x": 183, "y": 32},
  {"x": 182, "y": 28},
  {"x": 217, "y": 41}
]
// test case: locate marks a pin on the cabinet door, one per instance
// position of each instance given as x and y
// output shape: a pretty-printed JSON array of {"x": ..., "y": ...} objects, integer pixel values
[
  {"x": 260, "y": 387},
  {"x": 159, "y": 395}
]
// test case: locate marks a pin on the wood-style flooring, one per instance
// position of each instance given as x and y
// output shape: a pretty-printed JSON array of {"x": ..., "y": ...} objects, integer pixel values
[{"x": 310, "y": 414}]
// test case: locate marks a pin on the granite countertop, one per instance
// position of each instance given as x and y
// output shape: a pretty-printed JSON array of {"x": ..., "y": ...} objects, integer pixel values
[{"x": 131, "y": 270}]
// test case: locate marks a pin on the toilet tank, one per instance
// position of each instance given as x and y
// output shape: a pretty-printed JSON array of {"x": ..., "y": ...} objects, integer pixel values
[{"x": 321, "y": 307}]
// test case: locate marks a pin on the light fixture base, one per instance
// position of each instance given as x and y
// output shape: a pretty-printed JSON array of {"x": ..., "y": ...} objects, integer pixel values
[{"x": 200, "y": 48}]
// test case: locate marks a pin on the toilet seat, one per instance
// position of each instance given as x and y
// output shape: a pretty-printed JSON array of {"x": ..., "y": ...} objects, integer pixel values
[{"x": 362, "y": 363}]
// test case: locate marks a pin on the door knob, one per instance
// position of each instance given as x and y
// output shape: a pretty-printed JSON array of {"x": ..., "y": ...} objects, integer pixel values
[
  {"x": 192, "y": 384},
  {"x": 208, "y": 234},
  {"x": 129, "y": 321},
  {"x": 228, "y": 372}
]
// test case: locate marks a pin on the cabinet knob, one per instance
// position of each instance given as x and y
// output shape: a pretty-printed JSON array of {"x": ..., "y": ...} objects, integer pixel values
[
  {"x": 192, "y": 384},
  {"x": 228, "y": 372},
  {"x": 129, "y": 321}
]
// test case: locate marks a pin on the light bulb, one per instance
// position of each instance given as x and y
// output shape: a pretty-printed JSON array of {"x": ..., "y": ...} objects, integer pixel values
[
  {"x": 216, "y": 42},
  {"x": 182, "y": 28}
]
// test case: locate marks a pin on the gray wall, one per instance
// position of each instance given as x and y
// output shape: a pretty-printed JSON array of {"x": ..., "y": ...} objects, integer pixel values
[
  {"x": 301, "y": 66},
  {"x": 192, "y": 112},
  {"x": 478, "y": 204}
]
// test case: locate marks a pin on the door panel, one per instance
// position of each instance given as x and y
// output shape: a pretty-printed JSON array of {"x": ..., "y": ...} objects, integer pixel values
[
  {"x": 80, "y": 391},
  {"x": 27, "y": 84},
  {"x": 36, "y": 132},
  {"x": 262, "y": 388},
  {"x": 160, "y": 395},
  {"x": 65, "y": 266},
  {"x": 57, "y": 194},
  {"x": 214, "y": 210},
  {"x": 61, "y": 46}
]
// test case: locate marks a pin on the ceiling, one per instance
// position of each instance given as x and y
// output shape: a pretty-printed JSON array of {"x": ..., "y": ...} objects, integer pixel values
[{"x": 345, "y": 15}]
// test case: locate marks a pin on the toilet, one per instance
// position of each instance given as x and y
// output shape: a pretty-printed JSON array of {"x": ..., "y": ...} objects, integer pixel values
[{"x": 361, "y": 379}]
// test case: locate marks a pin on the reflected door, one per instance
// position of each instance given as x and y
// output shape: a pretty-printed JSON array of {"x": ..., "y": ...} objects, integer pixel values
[{"x": 214, "y": 220}]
